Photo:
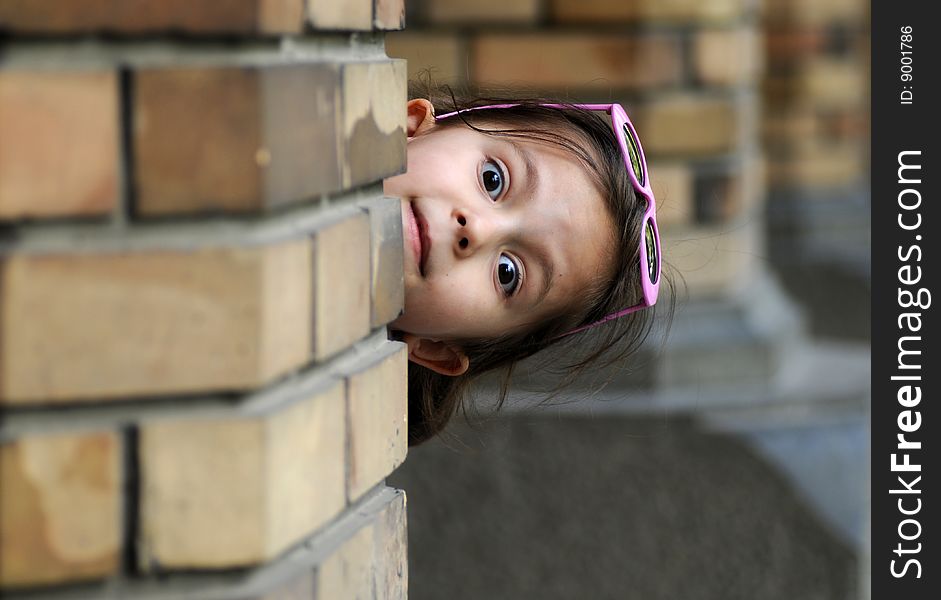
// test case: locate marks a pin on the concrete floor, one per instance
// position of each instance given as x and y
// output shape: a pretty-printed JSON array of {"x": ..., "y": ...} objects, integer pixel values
[{"x": 573, "y": 507}]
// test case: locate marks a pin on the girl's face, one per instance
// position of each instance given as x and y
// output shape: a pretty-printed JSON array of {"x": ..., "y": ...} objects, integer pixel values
[{"x": 499, "y": 233}]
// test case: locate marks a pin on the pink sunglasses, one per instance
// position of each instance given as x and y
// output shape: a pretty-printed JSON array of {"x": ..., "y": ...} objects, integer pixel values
[{"x": 636, "y": 164}]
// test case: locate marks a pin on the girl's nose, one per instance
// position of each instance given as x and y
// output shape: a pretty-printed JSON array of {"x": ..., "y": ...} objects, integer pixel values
[
  {"x": 463, "y": 242},
  {"x": 471, "y": 231}
]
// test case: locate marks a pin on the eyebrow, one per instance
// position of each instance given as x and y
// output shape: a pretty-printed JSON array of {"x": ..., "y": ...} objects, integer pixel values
[
  {"x": 547, "y": 279},
  {"x": 531, "y": 173},
  {"x": 531, "y": 176}
]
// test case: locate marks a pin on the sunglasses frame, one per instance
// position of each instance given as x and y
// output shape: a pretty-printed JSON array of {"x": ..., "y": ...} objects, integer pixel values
[{"x": 624, "y": 132}]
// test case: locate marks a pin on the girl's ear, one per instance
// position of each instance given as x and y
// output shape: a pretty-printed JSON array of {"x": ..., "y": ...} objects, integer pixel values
[
  {"x": 443, "y": 358},
  {"x": 421, "y": 116}
]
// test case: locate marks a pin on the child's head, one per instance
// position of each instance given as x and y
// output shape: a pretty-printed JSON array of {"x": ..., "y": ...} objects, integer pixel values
[{"x": 520, "y": 224}]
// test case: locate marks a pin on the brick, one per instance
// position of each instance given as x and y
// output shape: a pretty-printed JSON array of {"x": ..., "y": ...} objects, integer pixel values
[
  {"x": 813, "y": 12},
  {"x": 386, "y": 261},
  {"x": 105, "y": 326},
  {"x": 783, "y": 127},
  {"x": 481, "y": 11},
  {"x": 389, "y": 14},
  {"x": 226, "y": 492},
  {"x": 373, "y": 563},
  {"x": 152, "y": 16},
  {"x": 818, "y": 164},
  {"x": 378, "y": 421},
  {"x": 714, "y": 11},
  {"x": 210, "y": 139},
  {"x": 58, "y": 143},
  {"x": 582, "y": 11},
  {"x": 688, "y": 125},
  {"x": 374, "y": 124},
  {"x": 349, "y": 15},
  {"x": 783, "y": 124},
  {"x": 60, "y": 508},
  {"x": 789, "y": 45},
  {"x": 726, "y": 57},
  {"x": 582, "y": 60},
  {"x": 833, "y": 83},
  {"x": 673, "y": 187},
  {"x": 341, "y": 285},
  {"x": 821, "y": 84},
  {"x": 440, "y": 53}
]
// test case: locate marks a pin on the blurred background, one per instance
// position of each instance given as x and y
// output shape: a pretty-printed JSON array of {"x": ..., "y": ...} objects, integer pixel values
[{"x": 731, "y": 462}]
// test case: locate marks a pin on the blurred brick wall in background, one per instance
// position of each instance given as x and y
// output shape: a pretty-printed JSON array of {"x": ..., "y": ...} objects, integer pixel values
[
  {"x": 816, "y": 136},
  {"x": 196, "y": 268},
  {"x": 816, "y": 120}
]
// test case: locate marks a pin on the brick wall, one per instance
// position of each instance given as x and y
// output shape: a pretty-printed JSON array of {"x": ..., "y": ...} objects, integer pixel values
[
  {"x": 816, "y": 135},
  {"x": 816, "y": 121},
  {"x": 196, "y": 268},
  {"x": 687, "y": 73}
]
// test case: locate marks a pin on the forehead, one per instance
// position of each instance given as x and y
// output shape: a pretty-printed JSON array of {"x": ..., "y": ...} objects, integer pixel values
[{"x": 567, "y": 217}]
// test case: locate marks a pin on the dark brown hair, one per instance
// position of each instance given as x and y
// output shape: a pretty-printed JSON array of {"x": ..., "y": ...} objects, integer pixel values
[{"x": 588, "y": 136}]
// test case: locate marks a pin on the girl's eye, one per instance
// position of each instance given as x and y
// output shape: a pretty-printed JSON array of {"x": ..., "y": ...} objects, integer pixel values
[
  {"x": 508, "y": 275},
  {"x": 491, "y": 174}
]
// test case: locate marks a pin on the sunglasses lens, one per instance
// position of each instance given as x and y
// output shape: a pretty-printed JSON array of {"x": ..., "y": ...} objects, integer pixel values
[
  {"x": 637, "y": 163},
  {"x": 653, "y": 259}
]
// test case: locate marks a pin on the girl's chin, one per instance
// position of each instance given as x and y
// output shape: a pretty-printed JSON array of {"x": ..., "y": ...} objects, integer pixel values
[{"x": 400, "y": 324}]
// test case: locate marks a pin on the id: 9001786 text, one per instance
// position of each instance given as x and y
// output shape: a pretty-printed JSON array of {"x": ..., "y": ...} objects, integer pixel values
[{"x": 905, "y": 67}]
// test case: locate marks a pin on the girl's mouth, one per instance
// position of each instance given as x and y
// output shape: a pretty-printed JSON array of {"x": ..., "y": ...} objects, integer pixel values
[
  {"x": 423, "y": 237},
  {"x": 418, "y": 237}
]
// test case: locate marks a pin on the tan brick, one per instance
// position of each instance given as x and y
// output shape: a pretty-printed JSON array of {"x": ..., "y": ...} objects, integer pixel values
[
  {"x": 441, "y": 54},
  {"x": 579, "y": 11},
  {"x": 58, "y": 143},
  {"x": 814, "y": 12},
  {"x": 224, "y": 492},
  {"x": 783, "y": 124},
  {"x": 672, "y": 185},
  {"x": 374, "y": 562},
  {"x": 726, "y": 56},
  {"x": 784, "y": 127},
  {"x": 374, "y": 99},
  {"x": 481, "y": 11},
  {"x": 818, "y": 164},
  {"x": 821, "y": 84},
  {"x": 349, "y": 15},
  {"x": 341, "y": 285},
  {"x": 833, "y": 83},
  {"x": 389, "y": 14},
  {"x": 688, "y": 125},
  {"x": 151, "y": 16},
  {"x": 586, "y": 61},
  {"x": 387, "y": 260},
  {"x": 60, "y": 508},
  {"x": 103, "y": 326},
  {"x": 378, "y": 417},
  {"x": 234, "y": 139}
]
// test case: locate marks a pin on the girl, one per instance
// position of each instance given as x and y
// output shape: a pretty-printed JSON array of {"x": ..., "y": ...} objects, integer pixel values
[{"x": 525, "y": 224}]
